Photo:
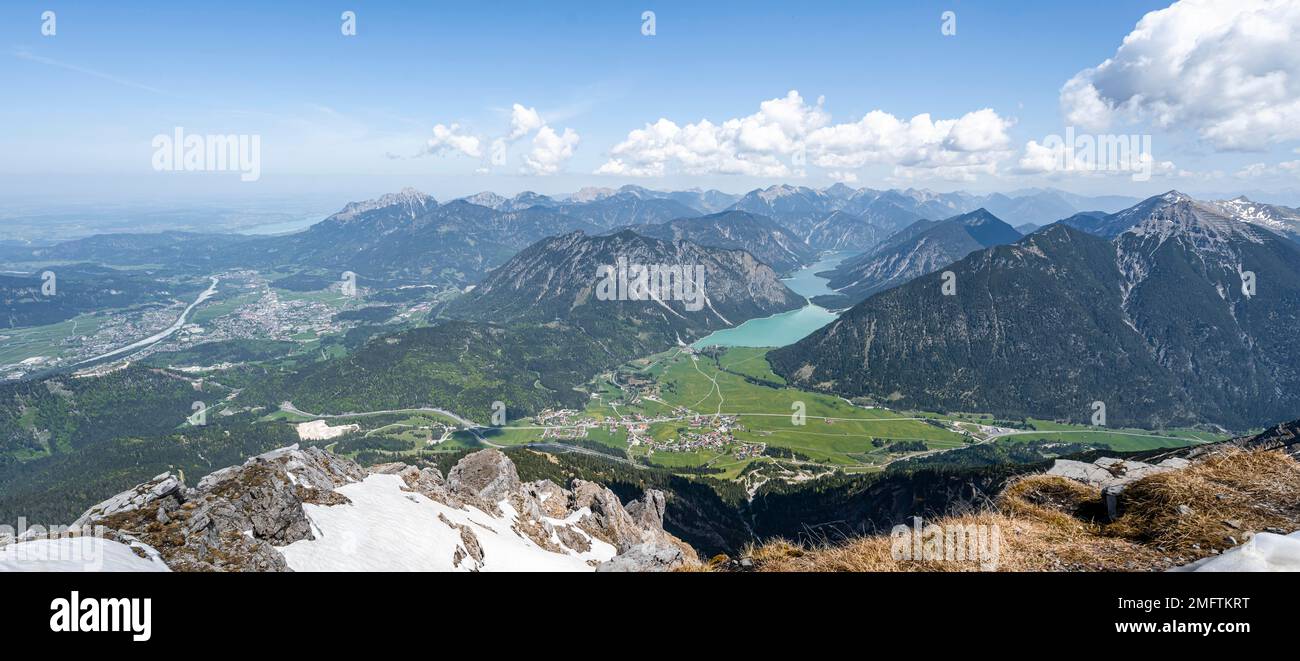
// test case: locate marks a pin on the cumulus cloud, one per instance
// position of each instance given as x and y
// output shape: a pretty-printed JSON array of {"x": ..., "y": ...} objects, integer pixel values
[
  {"x": 1083, "y": 106},
  {"x": 550, "y": 150},
  {"x": 523, "y": 121},
  {"x": 1040, "y": 158},
  {"x": 1227, "y": 69},
  {"x": 701, "y": 148},
  {"x": 788, "y": 132},
  {"x": 972, "y": 142},
  {"x": 1092, "y": 155},
  {"x": 451, "y": 139},
  {"x": 843, "y": 177}
]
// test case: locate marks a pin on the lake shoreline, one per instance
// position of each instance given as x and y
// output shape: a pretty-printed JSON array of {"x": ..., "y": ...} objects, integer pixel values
[{"x": 785, "y": 328}]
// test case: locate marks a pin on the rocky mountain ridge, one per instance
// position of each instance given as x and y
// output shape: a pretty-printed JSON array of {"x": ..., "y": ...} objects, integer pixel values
[
  {"x": 298, "y": 509},
  {"x": 561, "y": 278},
  {"x": 916, "y": 250},
  {"x": 757, "y": 235},
  {"x": 1175, "y": 302}
]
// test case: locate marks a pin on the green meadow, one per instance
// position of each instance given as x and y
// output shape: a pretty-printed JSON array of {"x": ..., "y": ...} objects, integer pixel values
[{"x": 806, "y": 428}]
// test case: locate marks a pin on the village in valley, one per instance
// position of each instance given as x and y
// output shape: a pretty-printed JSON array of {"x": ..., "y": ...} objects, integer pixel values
[
  {"x": 715, "y": 433},
  {"x": 720, "y": 414}
]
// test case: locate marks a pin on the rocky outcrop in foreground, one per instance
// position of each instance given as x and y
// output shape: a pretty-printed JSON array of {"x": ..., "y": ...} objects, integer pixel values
[
  {"x": 1111, "y": 475},
  {"x": 307, "y": 509}
]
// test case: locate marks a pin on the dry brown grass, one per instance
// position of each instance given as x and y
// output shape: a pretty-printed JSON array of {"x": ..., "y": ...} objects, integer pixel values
[
  {"x": 1214, "y": 503},
  {"x": 1054, "y": 524},
  {"x": 863, "y": 554},
  {"x": 1025, "y": 545}
]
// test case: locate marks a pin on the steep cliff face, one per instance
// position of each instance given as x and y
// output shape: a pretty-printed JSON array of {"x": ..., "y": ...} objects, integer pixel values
[{"x": 309, "y": 510}]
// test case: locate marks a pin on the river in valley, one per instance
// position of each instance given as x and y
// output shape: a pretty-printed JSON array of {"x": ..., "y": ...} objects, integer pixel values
[
  {"x": 785, "y": 328},
  {"x": 158, "y": 337}
]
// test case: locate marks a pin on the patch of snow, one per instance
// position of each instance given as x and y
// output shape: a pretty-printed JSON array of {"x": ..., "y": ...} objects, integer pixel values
[
  {"x": 1275, "y": 218},
  {"x": 78, "y": 554},
  {"x": 1264, "y": 552},
  {"x": 388, "y": 529}
]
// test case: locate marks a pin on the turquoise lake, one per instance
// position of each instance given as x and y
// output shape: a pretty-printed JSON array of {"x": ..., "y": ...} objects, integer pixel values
[{"x": 779, "y": 330}]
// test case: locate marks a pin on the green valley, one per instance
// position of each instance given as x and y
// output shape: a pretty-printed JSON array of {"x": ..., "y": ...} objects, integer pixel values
[{"x": 723, "y": 413}]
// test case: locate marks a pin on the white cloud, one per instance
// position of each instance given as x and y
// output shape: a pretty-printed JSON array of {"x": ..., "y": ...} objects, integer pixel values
[
  {"x": 550, "y": 150},
  {"x": 619, "y": 167},
  {"x": 1260, "y": 170},
  {"x": 1083, "y": 106},
  {"x": 1252, "y": 171},
  {"x": 967, "y": 172},
  {"x": 448, "y": 139},
  {"x": 1227, "y": 69},
  {"x": 843, "y": 177},
  {"x": 1093, "y": 155},
  {"x": 1038, "y": 159},
  {"x": 786, "y": 132},
  {"x": 974, "y": 141},
  {"x": 523, "y": 121}
]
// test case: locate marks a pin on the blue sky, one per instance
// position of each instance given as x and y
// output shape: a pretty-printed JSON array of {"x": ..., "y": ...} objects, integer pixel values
[{"x": 347, "y": 115}]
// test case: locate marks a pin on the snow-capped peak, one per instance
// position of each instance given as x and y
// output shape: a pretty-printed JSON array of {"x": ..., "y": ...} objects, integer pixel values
[
  {"x": 1272, "y": 217},
  {"x": 1204, "y": 227}
]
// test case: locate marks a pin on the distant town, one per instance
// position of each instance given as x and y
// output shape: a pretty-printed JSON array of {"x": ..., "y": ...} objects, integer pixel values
[{"x": 246, "y": 306}]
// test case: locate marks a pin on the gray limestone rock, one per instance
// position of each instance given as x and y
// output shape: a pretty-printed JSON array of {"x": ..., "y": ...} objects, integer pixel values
[
  {"x": 487, "y": 475},
  {"x": 645, "y": 558}
]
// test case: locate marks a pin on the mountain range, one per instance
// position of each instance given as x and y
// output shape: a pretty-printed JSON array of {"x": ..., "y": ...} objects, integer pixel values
[
  {"x": 757, "y": 235},
  {"x": 584, "y": 281},
  {"x": 1277, "y": 218},
  {"x": 920, "y": 248},
  {"x": 1169, "y": 312},
  {"x": 1156, "y": 321},
  {"x": 802, "y": 209},
  {"x": 408, "y": 237},
  {"x": 1280, "y": 220}
]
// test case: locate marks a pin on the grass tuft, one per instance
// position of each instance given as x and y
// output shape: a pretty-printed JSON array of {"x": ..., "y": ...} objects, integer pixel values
[{"x": 1049, "y": 523}]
